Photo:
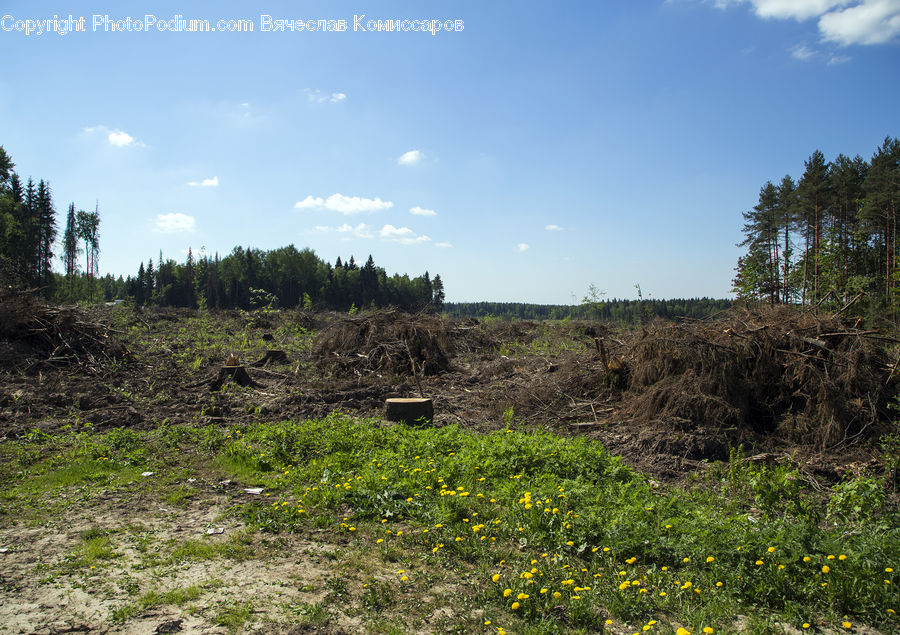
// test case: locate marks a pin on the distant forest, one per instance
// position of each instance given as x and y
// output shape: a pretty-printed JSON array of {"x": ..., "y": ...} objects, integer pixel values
[
  {"x": 245, "y": 278},
  {"x": 830, "y": 236},
  {"x": 619, "y": 311}
]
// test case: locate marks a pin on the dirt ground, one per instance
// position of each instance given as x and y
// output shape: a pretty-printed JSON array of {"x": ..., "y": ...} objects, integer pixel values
[
  {"x": 481, "y": 376},
  {"x": 141, "y": 369}
]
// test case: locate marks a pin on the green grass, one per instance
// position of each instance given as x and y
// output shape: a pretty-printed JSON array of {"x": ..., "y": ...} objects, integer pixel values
[
  {"x": 543, "y": 534},
  {"x": 569, "y": 526}
]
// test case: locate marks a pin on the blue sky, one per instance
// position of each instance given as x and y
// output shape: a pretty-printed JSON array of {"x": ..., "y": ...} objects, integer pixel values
[{"x": 545, "y": 147}]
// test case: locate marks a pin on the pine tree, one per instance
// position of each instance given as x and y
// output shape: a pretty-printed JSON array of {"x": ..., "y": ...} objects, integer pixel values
[
  {"x": 813, "y": 193},
  {"x": 437, "y": 287},
  {"x": 70, "y": 244},
  {"x": 786, "y": 217},
  {"x": 46, "y": 235}
]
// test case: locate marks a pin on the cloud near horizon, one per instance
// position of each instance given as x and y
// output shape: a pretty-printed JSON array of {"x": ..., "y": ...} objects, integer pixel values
[
  {"x": 213, "y": 182},
  {"x": 318, "y": 97},
  {"x": 553, "y": 228},
  {"x": 344, "y": 204},
  {"x": 402, "y": 235},
  {"x": 117, "y": 138},
  {"x": 174, "y": 223},
  {"x": 523, "y": 246},
  {"x": 421, "y": 211}
]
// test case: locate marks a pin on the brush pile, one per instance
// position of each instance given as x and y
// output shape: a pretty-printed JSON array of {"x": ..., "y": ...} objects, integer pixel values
[
  {"x": 815, "y": 380},
  {"x": 386, "y": 341},
  {"x": 35, "y": 335}
]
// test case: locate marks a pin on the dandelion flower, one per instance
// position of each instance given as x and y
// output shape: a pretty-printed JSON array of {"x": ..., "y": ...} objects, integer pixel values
[
  {"x": 826, "y": 568},
  {"x": 495, "y": 577},
  {"x": 842, "y": 557},
  {"x": 760, "y": 562},
  {"x": 771, "y": 550},
  {"x": 682, "y": 631},
  {"x": 710, "y": 559},
  {"x": 888, "y": 570},
  {"x": 708, "y": 630},
  {"x": 507, "y": 593},
  {"x": 846, "y": 624},
  {"x": 686, "y": 560},
  {"x": 806, "y": 558},
  {"x": 404, "y": 578},
  {"x": 514, "y": 606},
  {"x": 805, "y": 624},
  {"x": 557, "y": 594}
]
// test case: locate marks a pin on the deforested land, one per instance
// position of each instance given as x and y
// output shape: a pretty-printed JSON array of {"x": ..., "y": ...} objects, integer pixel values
[{"x": 731, "y": 474}]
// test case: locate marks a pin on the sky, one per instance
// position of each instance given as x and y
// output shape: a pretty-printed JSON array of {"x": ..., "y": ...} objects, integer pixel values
[{"x": 533, "y": 150}]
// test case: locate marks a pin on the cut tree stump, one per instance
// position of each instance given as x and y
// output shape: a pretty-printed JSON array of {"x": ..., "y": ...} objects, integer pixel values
[
  {"x": 237, "y": 374},
  {"x": 409, "y": 410}
]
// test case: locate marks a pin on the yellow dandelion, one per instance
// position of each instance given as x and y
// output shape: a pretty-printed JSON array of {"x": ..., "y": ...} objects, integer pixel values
[
  {"x": 507, "y": 593},
  {"x": 826, "y": 568},
  {"x": 708, "y": 630},
  {"x": 495, "y": 577},
  {"x": 710, "y": 559},
  {"x": 771, "y": 550},
  {"x": 846, "y": 624},
  {"x": 514, "y": 606},
  {"x": 806, "y": 558},
  {"x": 557, "y": 594},
  {"x": 842, "y": 557}
]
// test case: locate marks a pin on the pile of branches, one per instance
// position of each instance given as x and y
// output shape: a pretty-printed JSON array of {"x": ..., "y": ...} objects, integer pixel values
[
  {"x": 816, "y": 380},
  {"x": 386, "y": 341},
  {"x": 34, "y": 335}
]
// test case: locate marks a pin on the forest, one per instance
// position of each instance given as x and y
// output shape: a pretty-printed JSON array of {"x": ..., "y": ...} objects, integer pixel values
[
  {"x": 612, "y": 310},
  {"x": 829, "y": 236},
  {"x": 245, "y": 278}
]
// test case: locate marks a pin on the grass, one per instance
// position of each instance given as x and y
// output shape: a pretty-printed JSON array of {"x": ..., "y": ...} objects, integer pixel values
[
  {"x": 532, "y": 532},
  {"x": 553, "y": 525}
]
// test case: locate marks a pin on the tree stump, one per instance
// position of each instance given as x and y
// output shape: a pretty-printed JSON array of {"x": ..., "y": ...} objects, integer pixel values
[
  {"x": 409, "y": 410},
  {"x": 237, "y": 374}
]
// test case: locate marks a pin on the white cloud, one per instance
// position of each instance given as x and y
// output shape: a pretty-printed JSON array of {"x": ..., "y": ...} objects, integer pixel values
[
  {"x": 117, "y": 138},
  {"x": 344, "y": 204},
  {"x": 318, "y": 97},
  {"x": 411, "y": 158},
  {"x": 443, "y": 245},
  {"x": 421, "y": 211},
  {"x": 869, "y": 22},
  {"x": 174, "y": 223},
  {"x": 802, "y": 52},
  {"x": 359, "y": 231},
  {"x": 796, "y": 9},
  {"x": 213, "y": 182},
  {"x": 523, "y": 246},
  {"x": 844, "y": 22},
  {"x": 553, "y": 228},
  {"x": 402, "y": 235},
  {"x": 839, "y": 59}
]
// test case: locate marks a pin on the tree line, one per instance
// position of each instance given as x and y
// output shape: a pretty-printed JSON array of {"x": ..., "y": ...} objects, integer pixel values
[
  {"x": 613, "y": 310},
  {"x": 245, "y": 278},
  {"x": 829, "y": 236},
  {"x": 284, "y": 277},
  {"x": 28, "y": 234}
]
